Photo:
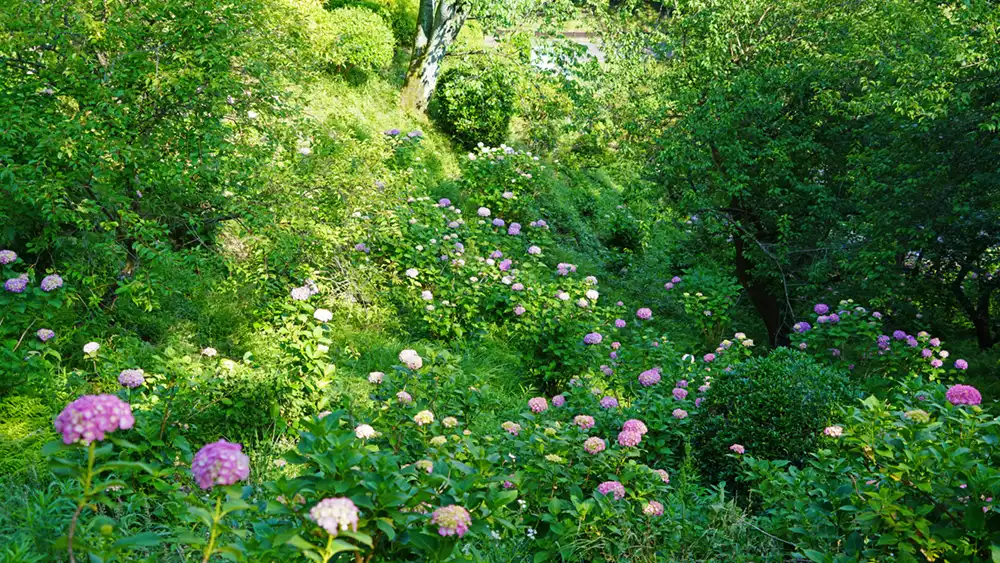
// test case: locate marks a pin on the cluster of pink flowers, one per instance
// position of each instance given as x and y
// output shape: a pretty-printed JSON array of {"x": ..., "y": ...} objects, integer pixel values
[
  {"x": 680, "y": 393},
  {"x": 653, "y": 508},
  {"x": 635, "y": 425},
  {"x": 664, "y": 476},
  {"x": 594, "y": 445},
  {"x": 452, "y": 520},
  {"x": 538, "y": 404},
  {"x": 335, "y": 515},
  {"x": 833, "y": 431},
  {"x": 564, "y": 269},
  {"x": 584, "y": 421},
  {"x": 644, "y": 313},
  {"x": 614, "y": 488},
  {"x": 629, "y": 438},
  {"x": 220, "y": 463},
  {"x": 738, "y": 449},
  {"x": 404, "y": 398},
  {"x": 511, "y": 427},
  {"x": 90, "y": 417},
  {"x": 963, "y": 395},
  {"x": 649, "y": 377},
  {"x": 679, "y": 414},
  {"x": 609, "y": 402}
]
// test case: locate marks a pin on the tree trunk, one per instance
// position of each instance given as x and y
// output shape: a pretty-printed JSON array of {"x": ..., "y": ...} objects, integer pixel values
[
  {"x": 438, "y": 25},
  {"x": 763, "y": 301}
]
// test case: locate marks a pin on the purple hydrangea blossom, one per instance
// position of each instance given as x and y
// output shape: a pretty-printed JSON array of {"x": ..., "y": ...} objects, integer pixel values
[
  {"x": 45, "y": 334},
  {"x": 444, "y": 202},
  {"x": 51, "y": 282},
  {"x": 131, "y": 378},
  {"x": 558, "y": 401},
  {"x": 498, "y": 222},
  {"x": 16, "y": 285},
  {"x": 675, "y": 280},
  {"x": 680, "y": 393},
  {"x": 609, "y": 402},
  {"x": 644, "y": 313},
  {"x": 649, "y": 377},
  {"x": 801, "y": 327},
  {"x": 821, "y": 309},
  {"x": 961, "y": 364},
  {"x": 963, "y": 395},
  {"x": 514, "y": 229},
  {"x": 620, "y": 323},
  {"x": 7, "y": 257},
  {"x": 593, "y": 338}
]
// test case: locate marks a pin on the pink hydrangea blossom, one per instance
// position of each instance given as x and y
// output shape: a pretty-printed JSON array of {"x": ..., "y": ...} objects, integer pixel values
[
  {"x": 664, "y": 476},
  {"x": 649, "y": 377},
  {"x": 629, "y": 438},
  {"x": 335, "y": 515},
  {"x": 538, "y": 404},
  {"x": 585, "y": 422},
  {"x": 738, "y": 449},
  {"x": 609, "y": 402},
  {"x": 963, "y": 395},
  {"x": 679, "y": 414},
  {"x": 833, "y": 431},
  {"x": 511, "y": 427},
  {"x": 614, "y": 488},
  {"x": 680, "y": 393},
  {"x": 90, "y": 417},
  {"x": 644, "y": 313},
  {"x": 452, "y": 520},
  {"x": 594, "y": 445},
  {"x": 653, "y": 508},
  {"x": 635, "y": 425},
  {"x": 220, "y": 463}
]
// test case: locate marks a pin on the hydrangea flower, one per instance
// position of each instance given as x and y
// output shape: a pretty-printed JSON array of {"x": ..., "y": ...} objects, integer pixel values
[
  {"x": 220, "y": 463},
  {"x": 936, "y": 363},
  {"x": 832, "y": 431},
  {"x": 538, "y": 404},
  {"x": 653, "y": 508},
  {"x": 644, "y": 313},
  {"x": 404, "y": 398},
  {"x": 594, "y": 445},
  {"x": 668, "y": 286},
  {"x": 452, "y": 520},
  {"x": 675, "y": 280},
  {"x": 45, "y": 334},
  {"x": 593, "y": 338},
  {"x": 584, "y": 421},
  {"x": 517, "y": 287},
  {"x": 411, "y": 359},
  {"x": 801, "y": 327},
  {"x": 963, "y": 395},
  {"x": 483, "y": 212},
  {"x": 209, "y": 352},
  {"x": 709, "y": 358},
  {"x": 511, "y": 427},
  {"x": 899, "y": 335},
  {"x": 376, "y": 377},
  {"x": 444, "y": 202},
  {"x": 582, "y": 303},
  {"x": 679, "y": 414},
  {"x": 514, "y": 229},
  {"x": 935, "y": 342},
  {"x": 323, "y": 315},
  {"x": 592, "y": 295},
  {"x": 664, "y": 476},
  {"x": 961, "y": 364},
  {"x": 301, "y": 293},
  {"x": 738, "y": 449},
  {"x": 609, "y": 402},
  {"x": 365, "y": 432},
  {"x": 425, "y": 465},
  {"x": 620, "y": 323},
  {"x": 335, "y": 515},
  {"x": 90, "y": 417},
  {"x": 534, "y": 250},
  {"x": 7, "y": 257},
  {"x": 635, "y": 425},
  {"x": 917, "y": 415},
  {"x": 629, "y": 438},
  {"x": 507, "y": 195},
  {"x": 439, "y": 441},
  {"x": 361, "y": 247},
  {"x": 131, "y": 378},
  {"x": 680, "y": 393},
  {"x": 614, "y": 488},
  {"x": 16, "y": 285},
  {"x": 423, "y": 417},
  {"x": 558, "y": 401},
  {"x": 498, "y": 222},
  {"x": 505, "y": 265},
  {"x": 91, "y": 348},
  {"x": 51, "y": 282},
  {"x": 519, "y": 310},
  {"x": 649, "y": 377}
]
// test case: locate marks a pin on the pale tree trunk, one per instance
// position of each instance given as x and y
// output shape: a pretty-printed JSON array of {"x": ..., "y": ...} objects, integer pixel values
[{"x": 438, "y": 25}]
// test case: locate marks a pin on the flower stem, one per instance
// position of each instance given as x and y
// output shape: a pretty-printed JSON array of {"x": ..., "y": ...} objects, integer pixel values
[
  {"x": 328, "y": 552},
  {"x": 215, "y": 532},
  {"x": 83, "y": 501}
]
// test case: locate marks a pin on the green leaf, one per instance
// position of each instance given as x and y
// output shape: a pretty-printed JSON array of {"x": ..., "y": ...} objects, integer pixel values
[{"x": 145, "y": 539}]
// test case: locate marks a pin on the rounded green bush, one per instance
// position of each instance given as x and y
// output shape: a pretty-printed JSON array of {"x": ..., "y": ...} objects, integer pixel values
[
  {"x": 776, "y": 407},
  {"x": 474, "y": 105},
  {"x": 346, "y": 38}
]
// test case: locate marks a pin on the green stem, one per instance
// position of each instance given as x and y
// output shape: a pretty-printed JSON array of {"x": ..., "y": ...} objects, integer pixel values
[
  {"x": 328, "y": 552},
  {"x": 83, "y": 501},
  {"x": 213, "y": 535}
]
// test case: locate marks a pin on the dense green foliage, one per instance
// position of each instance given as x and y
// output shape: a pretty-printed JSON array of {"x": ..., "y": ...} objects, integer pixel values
[
  {"x": 714, "y": 282},
  {"x": 474, "y": 105}
]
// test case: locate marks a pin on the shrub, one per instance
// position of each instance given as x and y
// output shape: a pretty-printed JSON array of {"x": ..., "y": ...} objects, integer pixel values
[
  {"x": 474, "y": 105},
  {"x": 346, "y": 38},
  {"x": 401, "y": 15},
  {"x": 769, "y": 405},
  {"x": 910, "y": 480}
]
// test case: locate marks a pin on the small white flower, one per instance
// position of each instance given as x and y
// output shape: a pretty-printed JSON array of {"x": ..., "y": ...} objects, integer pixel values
[
  {"x": 209, "y": 352},
  {"x": 305, "y": 151},
  {"x": 412, "y": 273},
  {"x": 91, "y": 348},
  {"x": 592, "y": 295},
  {"x": 323, "y": 315},
  {"x": 426, "y": 295}
]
